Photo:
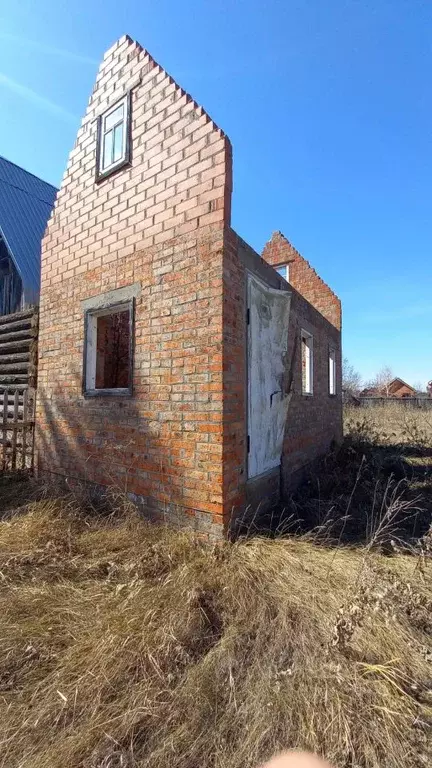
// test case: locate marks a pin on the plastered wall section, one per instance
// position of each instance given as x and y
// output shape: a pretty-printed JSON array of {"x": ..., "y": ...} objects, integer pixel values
[{"x": 159, "y": 222}]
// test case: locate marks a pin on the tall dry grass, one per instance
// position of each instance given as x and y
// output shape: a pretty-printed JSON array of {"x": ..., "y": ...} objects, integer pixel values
[
  {"x": 124, "y": 644},
  {"x": 377, "y": 485},
  {"x": 392, "y": 423}
]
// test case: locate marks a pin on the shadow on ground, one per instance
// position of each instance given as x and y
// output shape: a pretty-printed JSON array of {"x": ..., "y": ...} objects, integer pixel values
[{"x": 362, "y": 493}]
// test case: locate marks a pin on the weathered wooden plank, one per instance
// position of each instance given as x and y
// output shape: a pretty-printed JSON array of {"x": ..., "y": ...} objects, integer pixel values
[
  {"x": 18, "y": 325},
  {"x": 4, "y": 385},
  {"x": 17, "y": 357},
  {"x": 13, "y": 378},
  {"x": 4, "y": 430},
  {"x": 18, "y": 425},
  {"x": 24, "y": 314},
  {"x": 24, "y": 430},
  {"x": 19, "y": 367},
  {"x": 26, "y": 334},
  {"x": 14, "y": 433},
  {"x": 11, "y": 400},
  {"x": 23, "y": 344}
]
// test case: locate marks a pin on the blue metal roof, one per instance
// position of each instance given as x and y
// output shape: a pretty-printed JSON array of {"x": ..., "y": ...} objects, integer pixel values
[{"x": 25, "y": 207}]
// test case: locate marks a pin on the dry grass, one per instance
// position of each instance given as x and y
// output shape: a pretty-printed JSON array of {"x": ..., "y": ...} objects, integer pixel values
[
  {"x": 124, "y": 644},
  {"x": 377, "y": 485},
  {"x": 393, "y": 423}
]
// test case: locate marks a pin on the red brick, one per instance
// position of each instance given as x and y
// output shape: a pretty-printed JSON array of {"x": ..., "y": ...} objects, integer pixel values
[{"x": 164, "y": 222}]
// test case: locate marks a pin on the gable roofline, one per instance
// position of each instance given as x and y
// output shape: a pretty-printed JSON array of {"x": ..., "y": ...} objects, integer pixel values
[
  {"x": 159, "y": 69},
  {"x": 402, "y": 382},
  {"x": 26, "y": 202},
  {"x": 278, "y": 235},
  {"x": 28, "y": 173}
]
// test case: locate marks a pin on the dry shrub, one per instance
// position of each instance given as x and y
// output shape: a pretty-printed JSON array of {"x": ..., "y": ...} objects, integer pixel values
[{"x": 125, "y": 644}]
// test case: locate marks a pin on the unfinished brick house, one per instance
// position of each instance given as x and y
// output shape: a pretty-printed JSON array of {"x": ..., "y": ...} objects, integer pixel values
[{"x": 174, "y": 361}]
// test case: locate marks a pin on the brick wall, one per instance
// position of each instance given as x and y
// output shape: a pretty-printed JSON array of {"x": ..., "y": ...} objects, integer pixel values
[
  {"x": 313, "y": 422},
  {"x": 159, "y": 222},
  {"x": 400, "y": 389},
  {"x": 303, "y": 277},
  {"x": 179, "y": 443}
]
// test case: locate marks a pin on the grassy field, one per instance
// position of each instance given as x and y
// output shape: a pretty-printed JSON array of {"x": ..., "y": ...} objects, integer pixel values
[
  {"x": 393, "y": 424},
  {"x": 126, "y": 645}
]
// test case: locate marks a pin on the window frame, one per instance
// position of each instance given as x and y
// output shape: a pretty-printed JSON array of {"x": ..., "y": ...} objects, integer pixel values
[
  {"x": 287, "y": 270},
  {"x": 89, "y": 314},
  {"x": 307, "y": 336},
  {"x": 332, "y": 362},
  {"x": 125, "y": 160}
]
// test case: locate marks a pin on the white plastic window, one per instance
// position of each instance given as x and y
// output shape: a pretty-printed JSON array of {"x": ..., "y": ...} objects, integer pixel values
[
  {"x": 112, "y": 150},
  {"x": 332, "y": 371},
  {"x": 283, "y": 271},
  {"x": 307, "y": 362}
]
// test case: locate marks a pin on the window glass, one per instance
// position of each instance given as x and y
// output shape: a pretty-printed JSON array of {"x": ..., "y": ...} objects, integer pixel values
[
  {"x": 114, "y": 117},
  {"x": 107, "y": 149},
  {"x": 283, "y": 270},
  {"x": 112, "y": 133},
  {"x": 118, "y": 142},
  {"x": 332, "y": 372},
  {"x": 307, "y": 363}
]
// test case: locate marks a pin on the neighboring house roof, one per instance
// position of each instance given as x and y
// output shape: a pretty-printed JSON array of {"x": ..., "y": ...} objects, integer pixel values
[
  {"x": 371, "y": 391},
  {"x": 26, "y": 203},
  {"x": 401, "y": 381}
]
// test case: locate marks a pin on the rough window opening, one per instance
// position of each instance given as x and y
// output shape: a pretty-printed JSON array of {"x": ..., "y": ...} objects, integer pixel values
[
  {"x": 283, "y": 271},
  {"x": 108, "y": 354},
  {"x": 332, "y": 371},
  {"x": 307, "y": 362}
]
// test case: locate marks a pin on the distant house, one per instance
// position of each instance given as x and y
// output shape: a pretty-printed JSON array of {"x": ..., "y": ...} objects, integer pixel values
[
  {"x": 25, "y": 207},
  {"x": 396, "y": 388}
]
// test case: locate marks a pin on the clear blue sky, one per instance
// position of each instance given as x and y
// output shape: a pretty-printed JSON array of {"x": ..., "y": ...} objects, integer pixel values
[{"x": 327, "y": 104}]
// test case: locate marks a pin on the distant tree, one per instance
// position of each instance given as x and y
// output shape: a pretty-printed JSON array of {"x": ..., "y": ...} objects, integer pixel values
[
  {"x": 418, "y": 386},
  {"x": 351, "y": 379},
  {"x": 381, "y": 381}
]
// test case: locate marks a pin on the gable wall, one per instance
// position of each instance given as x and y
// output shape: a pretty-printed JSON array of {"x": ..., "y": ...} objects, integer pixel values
[
  {"x": 303, "y": 278},
  {"x": 400, "y": 389},
  {"x": 160, "y": 223}
]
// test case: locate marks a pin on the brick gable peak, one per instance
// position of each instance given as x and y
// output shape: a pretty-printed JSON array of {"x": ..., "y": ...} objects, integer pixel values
[
  {"x": 149, "y": 64},
  {"x": 280, "y": 245}
]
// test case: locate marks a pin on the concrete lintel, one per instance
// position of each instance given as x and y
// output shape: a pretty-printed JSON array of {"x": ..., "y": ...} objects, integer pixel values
[{"x": 115, "y": 296}]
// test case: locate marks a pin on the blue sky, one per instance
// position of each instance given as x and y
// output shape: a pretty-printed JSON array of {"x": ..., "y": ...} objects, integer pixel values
[{"x": 328, "y": 107}]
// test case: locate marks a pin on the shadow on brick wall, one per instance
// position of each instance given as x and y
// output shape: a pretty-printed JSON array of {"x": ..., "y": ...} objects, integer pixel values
[{"x": 109, "y": 442}]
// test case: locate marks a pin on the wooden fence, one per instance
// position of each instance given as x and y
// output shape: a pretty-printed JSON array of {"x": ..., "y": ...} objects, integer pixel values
[
  {"x": 402, "y": 402},
  {"x": 17, "y": 429},
  {"x": 18, "y": 364}
]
